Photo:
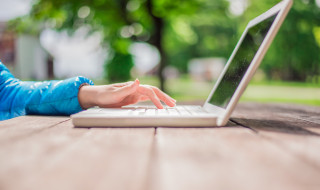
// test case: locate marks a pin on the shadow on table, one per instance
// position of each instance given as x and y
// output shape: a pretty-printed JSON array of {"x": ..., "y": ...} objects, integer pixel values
[
  {"x": 229, "y": 125},
  {"x": 274, "y": 126}
]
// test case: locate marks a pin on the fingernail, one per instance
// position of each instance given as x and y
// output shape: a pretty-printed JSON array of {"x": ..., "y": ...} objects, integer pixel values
[{"x": 137, "y": 81}]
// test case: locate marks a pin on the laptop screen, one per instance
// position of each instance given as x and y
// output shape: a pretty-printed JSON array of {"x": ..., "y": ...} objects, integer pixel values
[{"x": 240, "y": 63}]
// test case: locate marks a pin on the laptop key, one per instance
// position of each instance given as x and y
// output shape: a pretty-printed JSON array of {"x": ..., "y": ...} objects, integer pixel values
[
  {"x": 138, "y": 111},
  {"x": 162, "y": 112},
  {"x": 173, "y": 112},
  {"x": 150, "y": 112},
  {"x": 182, "y": 110}
]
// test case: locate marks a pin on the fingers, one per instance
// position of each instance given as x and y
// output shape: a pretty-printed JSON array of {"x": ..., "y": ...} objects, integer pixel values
[
  {"x": 155, "y": 95},
  {"x": 132, "y": 92},
  {"x": 143, "y": 98},
  {"x": 128, "y": 89},
  {"x": 122, "y": 84},
  {"x": 148, "y": 91},
  {"x": 127, "y": 101},
  {"x": 164, "y": 97}
]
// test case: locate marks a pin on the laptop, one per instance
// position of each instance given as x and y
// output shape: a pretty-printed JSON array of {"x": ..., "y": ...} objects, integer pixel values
[{"x": 224, "y": 96}]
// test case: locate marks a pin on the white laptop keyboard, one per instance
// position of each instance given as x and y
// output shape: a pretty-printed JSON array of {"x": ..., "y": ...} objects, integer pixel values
[{"x": 153, "y": 111}]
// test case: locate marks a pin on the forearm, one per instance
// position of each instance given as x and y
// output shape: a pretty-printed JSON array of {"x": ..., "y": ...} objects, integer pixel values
[{"x": 88, "y": 96}]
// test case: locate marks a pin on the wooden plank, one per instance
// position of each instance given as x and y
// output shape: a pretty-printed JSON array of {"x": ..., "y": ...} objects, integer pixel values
[
  {"x": 63, "y": 157},
  {"x": 25, "y": 126},
  {"x": 292, "y": 128},
  {"x": 307, "y": 117},
  {"x": 225, "y": 158}
]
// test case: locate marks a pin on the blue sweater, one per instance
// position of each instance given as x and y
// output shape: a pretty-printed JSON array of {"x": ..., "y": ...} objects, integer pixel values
[{"x": 56, "y": 97}]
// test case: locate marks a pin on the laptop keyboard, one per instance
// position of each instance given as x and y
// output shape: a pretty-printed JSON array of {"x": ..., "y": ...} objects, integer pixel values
[
  {"x": 152, "y": 111},
  {"x": 175, "y": 111}
]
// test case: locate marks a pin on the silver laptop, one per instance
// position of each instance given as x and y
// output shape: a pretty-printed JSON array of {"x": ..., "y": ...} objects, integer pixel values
[{"x": 222, "y": 100}]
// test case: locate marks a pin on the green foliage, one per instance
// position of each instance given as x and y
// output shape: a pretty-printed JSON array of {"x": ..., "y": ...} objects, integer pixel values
[
  {"x": 25, "y": 25},
  {"x": 295, "y": 54},
  {"x": 207, "y": 33},
  {"x": 118, "y": 66},
  {"x": 183, "y": 30}
]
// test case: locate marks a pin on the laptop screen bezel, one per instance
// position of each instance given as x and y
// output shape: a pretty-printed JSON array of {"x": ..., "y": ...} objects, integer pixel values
[{"x": 281, "y": 9}]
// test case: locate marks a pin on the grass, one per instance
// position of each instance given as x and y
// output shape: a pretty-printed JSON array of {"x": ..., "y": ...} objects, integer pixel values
[
  {"x": 281, "y": 93},
  {"x": 187, "y": 89}
]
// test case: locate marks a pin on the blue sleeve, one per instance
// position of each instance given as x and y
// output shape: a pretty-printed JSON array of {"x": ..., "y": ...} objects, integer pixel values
[{"x": 56, "y": 97}]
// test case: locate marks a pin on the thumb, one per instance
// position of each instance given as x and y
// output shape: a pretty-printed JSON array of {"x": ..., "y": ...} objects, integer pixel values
[{"x": 128, "y": 89}]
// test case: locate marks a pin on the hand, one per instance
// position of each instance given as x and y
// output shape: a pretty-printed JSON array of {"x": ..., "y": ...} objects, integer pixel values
[{"x": 122, "y": 94}]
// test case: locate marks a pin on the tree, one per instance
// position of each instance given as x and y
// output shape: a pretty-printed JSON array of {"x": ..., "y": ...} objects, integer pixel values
[
  {"x": 121, "y": 21},
  {"x": 182, "y": 30}
]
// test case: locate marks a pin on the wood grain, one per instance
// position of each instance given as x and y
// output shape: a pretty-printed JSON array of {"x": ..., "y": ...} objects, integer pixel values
[
  {"x": 226, "y": 158},
  {"x": 266, "y": 146},
  {"x": 63, "y": 157},
  {"x": 286, "y": 126},
  {"x": 18, "y": 128},
  {"x": 279, "y": 118}
]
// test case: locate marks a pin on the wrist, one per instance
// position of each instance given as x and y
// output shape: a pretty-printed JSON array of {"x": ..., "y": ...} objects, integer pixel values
[{"x": 87, "y": 96}]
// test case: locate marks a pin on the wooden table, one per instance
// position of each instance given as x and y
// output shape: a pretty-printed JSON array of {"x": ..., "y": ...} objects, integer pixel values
[{"x": 264, "y": 146}]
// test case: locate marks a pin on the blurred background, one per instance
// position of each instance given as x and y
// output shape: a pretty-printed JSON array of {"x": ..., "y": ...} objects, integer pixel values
[{"x": 180, "y": 46}]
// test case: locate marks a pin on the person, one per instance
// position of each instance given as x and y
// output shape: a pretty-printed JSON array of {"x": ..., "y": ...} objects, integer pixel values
[{"x": 66, "y": 97}]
